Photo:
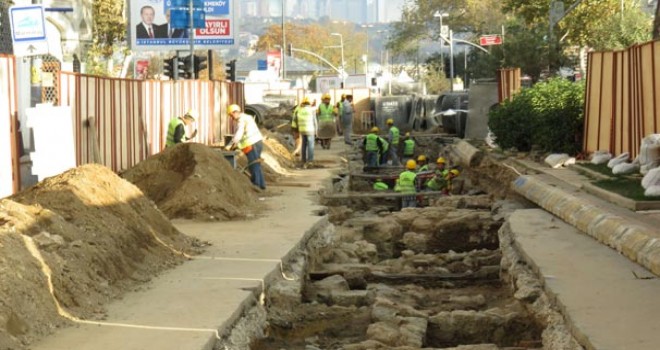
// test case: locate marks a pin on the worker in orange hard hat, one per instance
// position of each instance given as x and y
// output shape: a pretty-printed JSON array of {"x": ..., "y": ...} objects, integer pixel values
[
  {"x": 176, "y": 130},
  {"x": 248, "y": 139}
]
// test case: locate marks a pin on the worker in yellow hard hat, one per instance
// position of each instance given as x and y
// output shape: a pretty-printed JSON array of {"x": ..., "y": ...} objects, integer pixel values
[
  {"x": 393, "y": 137},
  {"x": 422, "y": 162},
  {"x": 176, "y": 130},
  {"x": 379, "y": 185},
  {"x": 305, "y": 119},
  {"x": 407, "y": 183},
  {"x": 441, "y": 166},
  {"x": 249, "y": 140},
  {"x": 339, "y": 110},
  {"x": 408, "y": 147},
  {"x": 327, "y": 121},
  {"x": 451, "y": 175},
  {"x": 373, "y": 147}
]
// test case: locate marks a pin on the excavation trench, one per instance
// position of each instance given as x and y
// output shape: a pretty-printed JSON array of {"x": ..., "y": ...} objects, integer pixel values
[{"x": 377, "y": 278}]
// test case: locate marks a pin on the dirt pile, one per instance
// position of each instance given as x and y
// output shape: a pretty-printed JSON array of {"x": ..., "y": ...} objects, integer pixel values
[
  {"x": 194, "y": 181},
  {"x": 277, "y": 157},
  {"x": 97, "y": 233}
]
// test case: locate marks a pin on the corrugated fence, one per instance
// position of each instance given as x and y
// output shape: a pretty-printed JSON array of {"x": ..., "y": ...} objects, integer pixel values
[
  {"x": 508, "y": 83},
  {"x": 622, "y": 103},
  {"x": 117, "y": 122}
]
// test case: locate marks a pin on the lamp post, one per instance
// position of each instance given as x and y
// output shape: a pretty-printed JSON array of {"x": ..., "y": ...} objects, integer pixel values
[
  {"x": 366, "y": 64},
  {"x": 282, "y": 49},
  {"x": 442, "y": 42},
  {"x": 343, "y": 69}
]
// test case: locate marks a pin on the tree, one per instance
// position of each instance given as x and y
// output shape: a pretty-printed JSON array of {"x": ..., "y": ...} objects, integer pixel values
[
  {"x": 622, "y": 31},
  {"x": 656, "y": 23},
  {"x": 108, "y": 33}
]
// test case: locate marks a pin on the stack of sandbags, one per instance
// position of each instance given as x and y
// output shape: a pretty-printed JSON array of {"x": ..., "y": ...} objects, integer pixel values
[
  {"x": 651, "y": 183},
  {"x": 558, "y": 160},
  {"x": 600, "y": 157},
  {"x": 649, "y": 153}
]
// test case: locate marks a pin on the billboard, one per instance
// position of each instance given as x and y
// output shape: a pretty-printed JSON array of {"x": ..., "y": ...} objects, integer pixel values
[{"x": 154, "y": 25}]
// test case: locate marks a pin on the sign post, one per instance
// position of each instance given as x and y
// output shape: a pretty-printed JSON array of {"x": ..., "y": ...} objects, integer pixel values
[{"x": 28, "y": 28}]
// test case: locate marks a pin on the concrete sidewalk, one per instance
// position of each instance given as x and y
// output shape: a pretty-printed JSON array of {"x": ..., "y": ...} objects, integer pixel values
[
  {"x": 183, "y": 308},
  {"x": 605, "y": 305}
]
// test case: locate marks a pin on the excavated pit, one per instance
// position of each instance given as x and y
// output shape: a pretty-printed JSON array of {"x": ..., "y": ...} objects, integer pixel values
[{"x": 432, "y": 277}]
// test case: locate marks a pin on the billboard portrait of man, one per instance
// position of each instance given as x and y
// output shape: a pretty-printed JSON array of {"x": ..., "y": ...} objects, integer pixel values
[
  {"x": 174, "y": 32},
  {"x": 147, "y": 29}
]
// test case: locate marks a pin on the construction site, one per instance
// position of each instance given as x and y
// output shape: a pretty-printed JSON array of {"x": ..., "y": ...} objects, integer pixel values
[{"x": 181, "y": 252}]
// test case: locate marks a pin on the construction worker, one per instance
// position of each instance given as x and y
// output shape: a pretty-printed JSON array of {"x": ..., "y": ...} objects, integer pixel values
[
  {"x": 327, "y": 121},
  {"x": 379, "y": 185},
  {"x": 451, "y": 175},
  {"x": 423, "y": 166},
  {"x": 176, "y": 130},
  {"x": 347, "y": 119},
  {"x": 393, "y": 138},
  {"x": 339, "y": 109},
  {"x": 407, "y": 183},
  {"x": 408, "y": 147},
  {"x": 305, "y": 119},
  {"x": 248, "y": 139},
  {"x": 441, "y": 166},
  {"x": 373, "y": 147},
  {"x": 382, "y": 156}
]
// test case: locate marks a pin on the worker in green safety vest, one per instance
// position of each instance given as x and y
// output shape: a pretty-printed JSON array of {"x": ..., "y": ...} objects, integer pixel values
[
  {"x": 373, "y": 147},
  {"x": 423, "y": 166},
  {"x": 326, "y": 121},
  {"x": 382, "y": 156},
  {"x": 407, "y": 183},
  {"x": 408, "y": 147},
  {"x": 176, "y": 130},
  {"x": 393, "y": 137},
  {"x": 379, "y": 185}
]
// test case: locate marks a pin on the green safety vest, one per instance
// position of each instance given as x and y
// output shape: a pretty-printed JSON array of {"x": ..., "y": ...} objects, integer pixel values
[
  {"x": 171, "y": 128},
  {"x": 437, "y": 183},
  {"x": 424, "y": 167},
  {"x": 294, "y": 120},
  {"x": 406, "y": 182},
  {"x": 395, "y": 135},
  {"x": 386, "y": 144},
  {"x": 305, "y": 122},
  {"x": 340, "y": 107},
  {"x": 372, "y": 143},
  {"x": 325, "y": 113},
  {"x": 408, "y": 147},
  {"x": 380, "y": 186}
]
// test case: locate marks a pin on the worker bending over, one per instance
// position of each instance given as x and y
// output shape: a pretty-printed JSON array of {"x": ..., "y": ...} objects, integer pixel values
[
  {"x": 249, "y": 140},
  {"x": 407, "y": 184},
  {"x": 176, "y": 130}
]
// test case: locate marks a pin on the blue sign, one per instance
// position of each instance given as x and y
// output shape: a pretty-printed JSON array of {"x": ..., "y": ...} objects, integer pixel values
[
  {"x": 262, "y": 65},
  {"x": 216, "y": 7},
  {"x": 181, "y": 18}
]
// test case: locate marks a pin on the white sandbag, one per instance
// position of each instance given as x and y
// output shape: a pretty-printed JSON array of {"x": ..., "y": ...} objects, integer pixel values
[
  {"x": 644, "y": 169},
  {"x": 625, "y": 168},
  {"x": 556, "y": 160},
  {"x": 649, "y": 150},
  {"x": 653, "y": 191},
  {"x": 600, "y": 157},
  {"x": 621, "y": 158},
  {"x": 652, "y": 178},
  {"x": 570, "y": 161}
]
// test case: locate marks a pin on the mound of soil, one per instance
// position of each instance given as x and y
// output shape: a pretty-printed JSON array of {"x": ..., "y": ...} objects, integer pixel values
[
  {"x": 194, "y": 181},
  {"x": 95, "y": 232}
]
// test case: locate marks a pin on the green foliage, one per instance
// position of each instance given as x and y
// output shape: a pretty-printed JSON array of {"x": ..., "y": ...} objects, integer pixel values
[
  {"x": 434, "y": 77},
  {"x": 108, "y": 33},
  {"x": 622, "y": 31},
  {"x": 549, "y": 115}
]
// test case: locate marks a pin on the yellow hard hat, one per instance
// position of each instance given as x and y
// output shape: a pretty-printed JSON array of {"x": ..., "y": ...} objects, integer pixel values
[
  {"x": 421, "y": 158},
  {"x": 191, "y": 114},
  {"x": 343, "y": 95},
  {"x": 375, "y": 129},
  {"x": 408, "y": 134},
  {"x": 390, "y": 121},
  {"x": 233, "y": 108},
  {"x": 411, "y": 164},
  {"x": 455, "y": 172},
  {"x": 305, "y": 100},
  {"x": 325, "y": 97},
  {"x": 441, "y": 161}
]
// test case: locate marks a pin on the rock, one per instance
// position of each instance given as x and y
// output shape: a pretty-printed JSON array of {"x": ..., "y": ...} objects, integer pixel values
[
  {"x": 366, "y": 252},
  {"x": 326, "y": 286},
  {"x": 413, "y": 331},
  {"x": 384, "y": 309},
  {"x": 285, "y": 294},
  {"x": 469, "y": 301},
  {"x": 384, "y": 332},
  {"x": 351, "y": 297},
  {"x": 384, "y": 233},
  {"x": 46, "y": 241},
  {"x": 366, "y": 345},
  {"x": 528, "y": 288},
  {"x": 415, "y": 241}
]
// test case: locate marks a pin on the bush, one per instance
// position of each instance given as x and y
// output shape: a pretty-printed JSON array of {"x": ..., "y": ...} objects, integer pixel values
[{"x": 549, "y": 115}]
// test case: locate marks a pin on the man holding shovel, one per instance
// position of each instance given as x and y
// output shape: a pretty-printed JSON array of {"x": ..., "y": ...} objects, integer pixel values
[{"x": 249, "y": 140}]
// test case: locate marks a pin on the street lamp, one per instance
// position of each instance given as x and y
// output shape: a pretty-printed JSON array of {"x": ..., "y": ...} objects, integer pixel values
[
  {"x": 366, "y": 30},
  {"x": 442, "y": 43},
  {"x": 341, "y": 44}
]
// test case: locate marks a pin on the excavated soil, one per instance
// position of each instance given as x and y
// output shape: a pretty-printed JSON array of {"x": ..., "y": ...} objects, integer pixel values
[
  {"x": 193, "y": 181},
  {"x": 98, "y": 235}
]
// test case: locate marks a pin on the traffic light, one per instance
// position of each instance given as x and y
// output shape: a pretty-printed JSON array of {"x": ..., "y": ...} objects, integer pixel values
[
  {"x": 184, "y": 67},
  {"x": 230, "y": 72},
  {"x": 200, "y": 64},
  {"x": 289, "y": 50},
  {"x": 168, "y": 67}
]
